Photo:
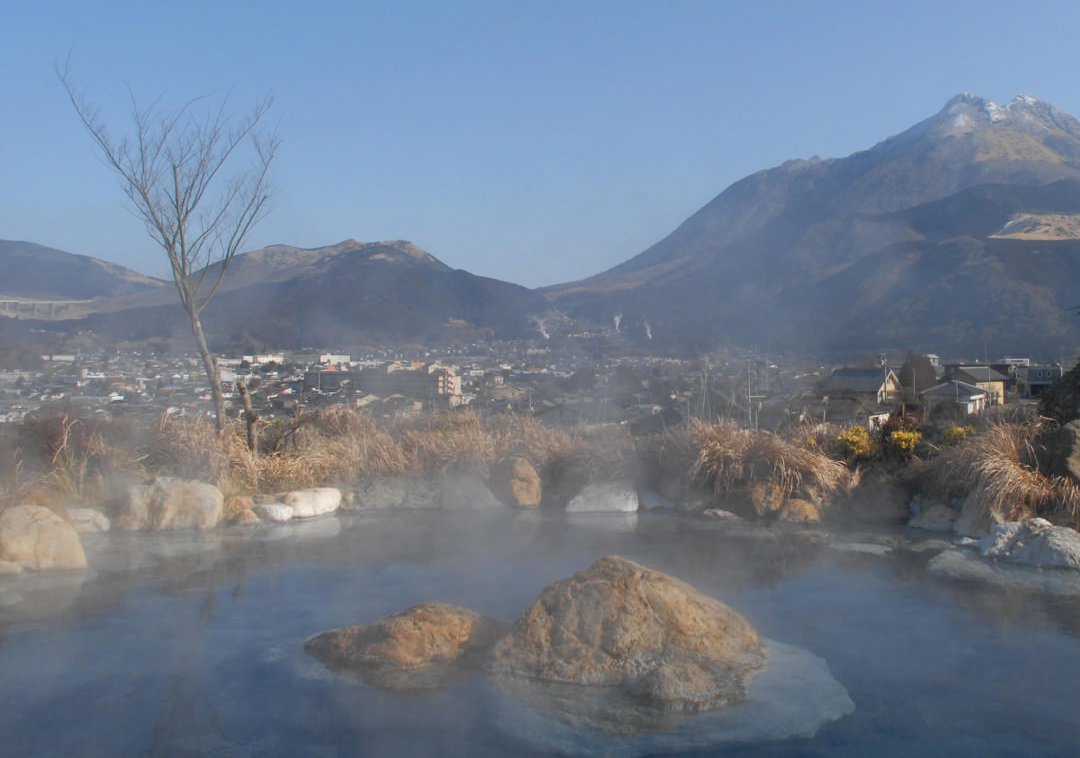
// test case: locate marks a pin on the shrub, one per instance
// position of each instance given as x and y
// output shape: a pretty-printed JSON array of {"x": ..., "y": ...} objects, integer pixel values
[
  {"x": 854, "y": 443},
  {"x": 904, "y": 441},
  {"x": 728, "y": 456},
  {"x": 1000, "y": 468},
  {"x": 957, "y": 433}
]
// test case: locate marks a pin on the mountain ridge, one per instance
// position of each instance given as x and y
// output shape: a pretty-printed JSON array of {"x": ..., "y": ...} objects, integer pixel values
[
  {"x": 765, "y": 245},
  {"x": 348, "y": 293}
]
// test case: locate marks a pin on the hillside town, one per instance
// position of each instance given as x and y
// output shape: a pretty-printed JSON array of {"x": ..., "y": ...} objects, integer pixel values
[{"x": 561, "y": 388}]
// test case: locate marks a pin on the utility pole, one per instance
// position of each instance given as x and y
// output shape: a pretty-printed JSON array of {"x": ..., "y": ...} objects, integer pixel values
[{"x": 885, "y": 376}]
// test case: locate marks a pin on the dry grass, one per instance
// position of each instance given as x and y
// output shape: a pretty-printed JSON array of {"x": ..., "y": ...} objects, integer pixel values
[
  {"x": 77, "y": 459},
  {"x": 338, "y": 445},
  {"x": 1000, "y": 467},
  {"x": 728, "y": 456}
]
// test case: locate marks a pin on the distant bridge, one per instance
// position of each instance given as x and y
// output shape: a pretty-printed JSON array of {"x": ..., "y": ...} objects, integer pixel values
[{"x": 22, "y": 307}]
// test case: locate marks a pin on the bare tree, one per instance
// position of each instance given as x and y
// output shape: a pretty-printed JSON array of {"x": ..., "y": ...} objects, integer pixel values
[{"x": 171, "y": 167}]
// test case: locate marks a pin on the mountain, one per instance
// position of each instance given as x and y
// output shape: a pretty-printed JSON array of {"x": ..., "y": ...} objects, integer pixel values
[
  {"x": 345, "y": 294},
  {"x": 958, "y": 234},
  {"x": 36, "y": 272}
]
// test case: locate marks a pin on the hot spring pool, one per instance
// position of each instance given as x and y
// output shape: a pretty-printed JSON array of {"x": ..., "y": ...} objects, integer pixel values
[{"x": 184, "y": 645}]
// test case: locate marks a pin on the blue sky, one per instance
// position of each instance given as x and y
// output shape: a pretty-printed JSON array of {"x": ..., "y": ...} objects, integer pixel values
[{"x": 537, "y": 142}]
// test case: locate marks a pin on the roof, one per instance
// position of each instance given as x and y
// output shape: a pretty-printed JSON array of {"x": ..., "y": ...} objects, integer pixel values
[
  {"x": 979, "y": 374},
  {"x": 954, "y": 390},
  {"x": 854, "y": 380}
]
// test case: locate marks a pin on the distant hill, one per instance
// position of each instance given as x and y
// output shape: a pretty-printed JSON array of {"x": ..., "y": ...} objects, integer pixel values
[
  {"x": 960, "y": 233},
  {"x": 344, "y": 294},
  {"x": 33, "y": 271}
]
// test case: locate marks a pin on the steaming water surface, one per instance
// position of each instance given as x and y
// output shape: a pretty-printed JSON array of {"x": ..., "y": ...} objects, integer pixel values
[{"x": 183, "y": 645}]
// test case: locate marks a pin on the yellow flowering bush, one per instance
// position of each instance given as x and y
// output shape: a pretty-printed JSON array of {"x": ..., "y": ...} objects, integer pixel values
[
  {"x": 957, "y": 433},
  {"x": 905, "y": 441},
  {"x": 855, "y": 442}
]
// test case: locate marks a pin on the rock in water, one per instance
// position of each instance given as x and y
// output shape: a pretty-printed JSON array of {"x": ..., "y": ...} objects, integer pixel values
[
  {"x": 278, "y": 513},
  {"x": 621, "y": 625},
  {"x": 316, "y": 501},
  {"x": 1035, "y": 542},
  {"x": 796, "y": 511},
  {"x": 515, "y": 481},
  {"x": 35, "y": 537},
  {"x": 88, "y": 520},
  {"x": 422, "y": 647},
  {"x": 171, "y": 504},
  {"x": 612, "y": 497}
]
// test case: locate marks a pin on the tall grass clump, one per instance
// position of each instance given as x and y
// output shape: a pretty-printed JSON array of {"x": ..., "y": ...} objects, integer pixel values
[
  {"x": 82, "y": 459},
  {"x": 1000, "y": 468},
  {"x": 728, "y": 456}
]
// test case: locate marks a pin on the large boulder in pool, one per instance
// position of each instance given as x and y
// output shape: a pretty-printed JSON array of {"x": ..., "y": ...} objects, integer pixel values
[
  {"x": 418, "y": 648},
  {"x": 169, "y": 503},
  {"x": 621, "y": 625},
  {"x": 1035, "y": 542},
  {"x": 36, "y": 538}
]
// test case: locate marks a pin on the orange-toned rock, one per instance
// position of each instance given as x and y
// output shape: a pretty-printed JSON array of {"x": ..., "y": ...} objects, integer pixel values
[
  {"x": 36, "y": 538},
  {"x": 619, "y": 624},
  {"x": 420, "y": 647},
  {"x": 796, "y": 511},
  {"x": 767, "y": 498},
  {"x": 238, "y": 509},
  {"x": 515, "y": 481}
]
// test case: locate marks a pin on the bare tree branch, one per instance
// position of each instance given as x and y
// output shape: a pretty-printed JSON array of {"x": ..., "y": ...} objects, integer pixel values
[{"x": 171, "y": 169}]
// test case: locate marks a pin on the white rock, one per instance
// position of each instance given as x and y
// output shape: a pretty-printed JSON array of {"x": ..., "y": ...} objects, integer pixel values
[
  {"x": 88, "y": 520},
  {"x": 38, "y": 539},
  {"x": 275, "y": 512},
  {"x": 966, "y": 566},
  {"x": 611, "y": 497},
  {"x": 1035, "y": 542},
  {"x": 309, "y": 503},
  {"x": 10, "y": 568}
]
